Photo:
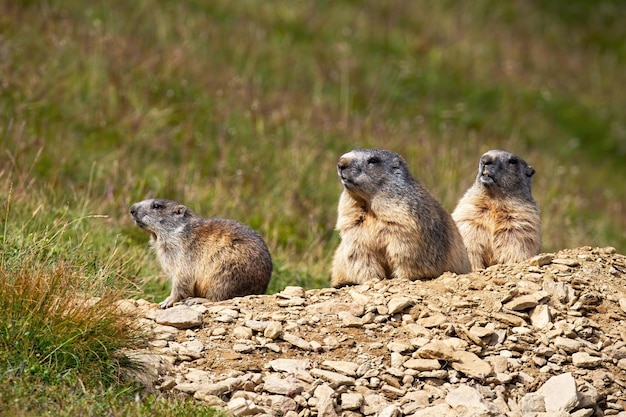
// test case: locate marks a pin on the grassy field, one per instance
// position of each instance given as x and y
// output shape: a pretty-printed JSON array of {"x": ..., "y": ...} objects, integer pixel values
[{"x": 240, "y": 109}]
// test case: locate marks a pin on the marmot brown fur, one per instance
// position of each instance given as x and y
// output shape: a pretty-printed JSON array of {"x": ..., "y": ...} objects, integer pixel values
[
  {"x": 216, "y": 259},
  {"x": 498, "y": 217},
  {"x": 390, "y": 225}
]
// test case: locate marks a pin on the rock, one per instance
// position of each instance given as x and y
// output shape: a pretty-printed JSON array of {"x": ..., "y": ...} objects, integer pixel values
[
  {"x": 567, "y": 344},
  {"x": 533, "y": 403},
  {"x": 398, "y": 304},
  {"x": 287, "y": 386},
  {"x": 326, "y": 403},
  {"x": 560, "y": 393},
  {"x": 585, "y": 360},
  {"x": 242, "y": 333},
  {"x": 180, "y": 316},
  {"x": 471, "y": 365},
  {"x": 540, "y": 316},
  {"x": 522, "y": 303},
  {"x": 435, "y": 320},
  {"x": 437, "y": 350},
  {"x": 334, "y": 307},
  {"x": 335, "y": 379},
  {"x": 422, "y": 364},
  {"x": 439, "y": 410},
  {"x": 291, "y": 366},
  {"x": 466, "y": 400},
  {"x": 273, "y": 330},
  {"x": 542, "y": 259},
  {"x": 292, "y": 292},
  {"x": 296, "y": 341},
  {"x": 390, "y": 411},
  {"x": 165, "y": 332},
  {"x": 343, "y": 367},
  {"x": 243, "y": 407},
  {"x": 351, "y": 401}
]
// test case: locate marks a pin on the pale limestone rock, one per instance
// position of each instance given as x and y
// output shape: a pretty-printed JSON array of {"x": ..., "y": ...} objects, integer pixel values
[
  {"x": 398, "y": 304},
  {"x": 471, "y": 365},
  {"x": 334, "y": 307},
  {"x": 568, "y": 345},
  {"x": 585, "y": 360},
  {"x": 422, "y": 364},
  {"x": 523, "y": 302},
  {"x": 435, "y": 320},
  {"x": 540, "y": 316},
  {"x": 273, "y": 330},
  {"x": 296, "y": 341},
  {"x": 326, "y": 403},
  {"x": 437, "y": 350},
  {"x": 560, "y": 393},
  {"x": 242, "y": 332},
  {"x": 288, "y": 365},
  {"x": 468, "y": 401},
  {"x": 533, "y": 403},
  {"x": 351, "y": 401},
  {"x": 283, "y": 386},
  {"x": 242, "y": 407},
  {"x": 439, "y": 410},
  {"x": 180, "y": 316},
  {"x": 343, "y": 367},
  {"x": 333, "y": 378}
]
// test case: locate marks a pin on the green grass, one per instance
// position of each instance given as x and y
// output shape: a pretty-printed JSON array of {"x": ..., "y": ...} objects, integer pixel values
[{"x": 241, "y": 109}]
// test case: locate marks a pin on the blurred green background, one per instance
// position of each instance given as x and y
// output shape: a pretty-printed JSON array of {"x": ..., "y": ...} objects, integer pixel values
[{"x": 240, "y": 109}]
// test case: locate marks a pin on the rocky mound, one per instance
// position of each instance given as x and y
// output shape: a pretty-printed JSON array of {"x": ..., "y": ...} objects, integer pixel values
[{"x": 545, "y": 337}]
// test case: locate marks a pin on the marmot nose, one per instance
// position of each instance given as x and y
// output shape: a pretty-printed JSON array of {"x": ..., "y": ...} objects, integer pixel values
[
  {"x": 133, "y": 210},
  {"x": 486, "y": 160}
]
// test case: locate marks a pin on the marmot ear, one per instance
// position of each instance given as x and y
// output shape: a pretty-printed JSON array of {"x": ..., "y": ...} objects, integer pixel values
[
  {"x": 530, "y": 171},
  {"x": 180, "y": 210}
]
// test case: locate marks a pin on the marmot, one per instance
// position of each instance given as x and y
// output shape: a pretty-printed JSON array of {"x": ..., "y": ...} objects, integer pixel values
[
  {"x": 216, "y": 259},
  {"x": 498, "y": 217},
  {"x": 390, "y": 225}
]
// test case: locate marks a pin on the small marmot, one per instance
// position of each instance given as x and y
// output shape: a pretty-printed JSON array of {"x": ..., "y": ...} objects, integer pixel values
[
  {"x": 498, "y": 217},
  {"x": 390, "y": 225},
  {"x": 216, "y": 259}
]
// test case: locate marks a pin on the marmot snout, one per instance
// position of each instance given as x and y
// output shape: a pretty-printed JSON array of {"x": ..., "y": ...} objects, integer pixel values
[
  {"x": 214, "y": 258},
  {"x": 497, "y": 217},
  {"x": 390, "y": 225}
]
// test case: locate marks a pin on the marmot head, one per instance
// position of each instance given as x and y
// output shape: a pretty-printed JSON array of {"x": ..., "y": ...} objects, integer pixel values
[
  {"x": 159, "y": 216},
  {"x": 367, "y": 172},
  {"x": 503, "y": 172}
]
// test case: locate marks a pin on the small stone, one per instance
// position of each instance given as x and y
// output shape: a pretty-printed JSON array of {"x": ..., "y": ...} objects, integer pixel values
[
  {"x": 351, "y": 401},
  {"x": 471, "y": 365},
  {"x": 585, "y": 360},
  {"x": 242, "y": 333},
  {"x": 560, "y": 393},
  {"x": 343, "y": 367},
  {"x": 437, "y": 350},
  {"x": 567, "y": 344},
  {"x": 542, "y": 259},
  {"x": 566, "y": 261},
  {"x": 165, "y": 332},
  {"x": 435, "y": 320},
  {"x": 399, "y": 347},
  {"x": 422, "y": 364},
  {"x": 349, "y": 320},
  {"x": 398, "y": 304},
  {"x": 180, "y": 316},
  {"x": 273, "y": 330},
  {"x": 334, "y": 307},
  {"x": 326, "y": 403},
  {"x": 256, "y": 325},
  {"x": 335, "y": 379},
  {"x": 470, "y": 401},
  {"x": 287, "y": 386},
  {"x": 540, "y": 316},
  {"x": 533, "y": 403},
  {"x": 243, "y": 347},
  {"x": 296, "y": 341},
  {"x": 622, "y": 304},
  {"x": 390, "y": 411},
  {"x": 288, "y": 365},
  {"x": 522, "y": 303},
  {"x": 292, "y": 292},
  {"x": 243, "y": 407}
]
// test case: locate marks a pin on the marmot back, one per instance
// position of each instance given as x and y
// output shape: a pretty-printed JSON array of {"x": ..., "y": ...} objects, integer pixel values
[
  {"x": 498, "y": 217},
  {"x": 216, "y": 259},
  {"x": 390, "y": 225}
]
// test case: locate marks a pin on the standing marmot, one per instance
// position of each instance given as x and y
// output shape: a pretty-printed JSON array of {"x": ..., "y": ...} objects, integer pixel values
[
  {"x": 213, "y": 258},
  {"x": 498, "y": 217},
  {"x": 390, "y": 225}
]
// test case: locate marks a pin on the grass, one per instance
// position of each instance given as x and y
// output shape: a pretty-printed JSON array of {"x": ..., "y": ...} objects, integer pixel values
[{"x": 241, "y": 109}]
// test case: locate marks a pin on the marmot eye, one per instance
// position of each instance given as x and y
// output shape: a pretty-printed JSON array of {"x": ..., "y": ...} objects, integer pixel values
[
  {"x": 373, "y": 160},
  {"x": 157, "y": 206},
  {"x": 513, "y": 161}
]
